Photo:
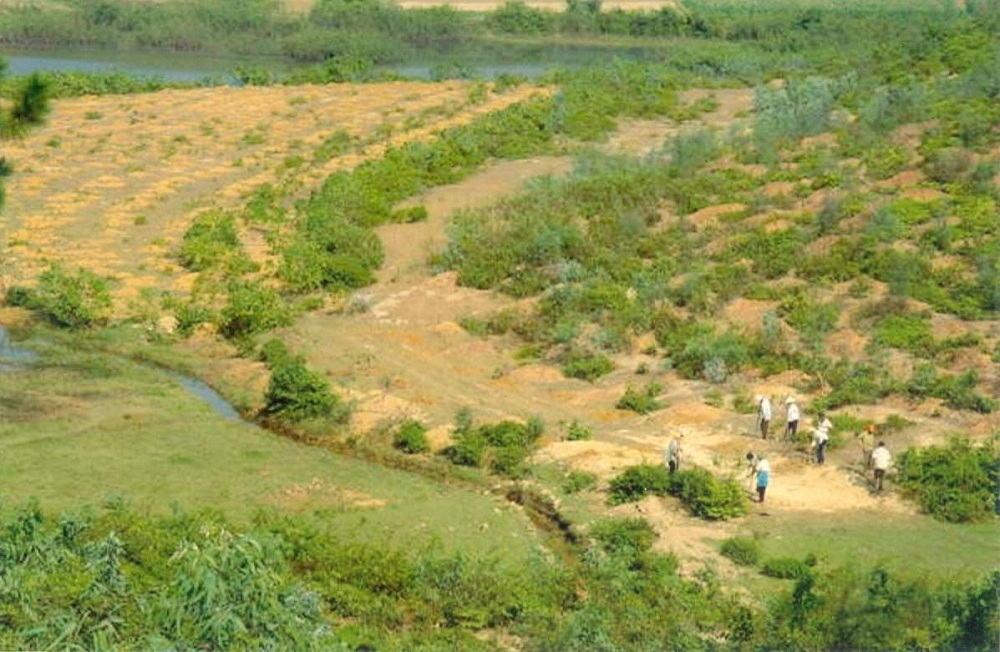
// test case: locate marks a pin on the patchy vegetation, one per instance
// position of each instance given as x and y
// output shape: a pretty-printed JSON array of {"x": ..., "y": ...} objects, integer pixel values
[{"x": 858, "y": 199}]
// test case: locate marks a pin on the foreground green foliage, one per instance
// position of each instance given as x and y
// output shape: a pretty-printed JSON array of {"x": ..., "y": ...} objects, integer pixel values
[{"x": 112, "y": 577}]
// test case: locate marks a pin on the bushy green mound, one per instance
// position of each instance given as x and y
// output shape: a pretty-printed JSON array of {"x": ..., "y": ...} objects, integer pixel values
[{"x": 701, "y": 492}]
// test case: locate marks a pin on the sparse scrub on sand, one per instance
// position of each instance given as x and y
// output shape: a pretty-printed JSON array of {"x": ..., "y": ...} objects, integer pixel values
[{"x": 642, "y": 400}]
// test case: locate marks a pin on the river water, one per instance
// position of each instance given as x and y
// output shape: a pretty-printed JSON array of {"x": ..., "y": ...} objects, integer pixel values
[
  {"x": 196, "y": 68},
  {"x": 172, "y": 68}
]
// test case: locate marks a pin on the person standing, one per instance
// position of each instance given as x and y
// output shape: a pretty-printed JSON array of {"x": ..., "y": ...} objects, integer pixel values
[
  {"x": 792, "y": 416},
  {"x": 763, "y": 472},
  {"x": 673, "y": 454},
  {"x": 866, "y": 440},
  {"x": 822, "y": 437},
  {"x": 764, "y": 414},
  {"x": 881, "y": 461}
]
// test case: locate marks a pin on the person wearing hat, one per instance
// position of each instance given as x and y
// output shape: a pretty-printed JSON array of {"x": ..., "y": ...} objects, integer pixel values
[
  {"x": 866, "y": 440},
  {"x": 673, "y": 454},
  {"x": 792, "y": 416}
]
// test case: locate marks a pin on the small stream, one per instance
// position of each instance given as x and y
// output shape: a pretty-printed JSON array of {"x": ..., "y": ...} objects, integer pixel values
[{"x": 13, "y": 357}]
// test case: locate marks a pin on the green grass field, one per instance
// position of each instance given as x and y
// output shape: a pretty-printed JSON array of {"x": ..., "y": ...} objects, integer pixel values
[
  {"x": 82, "y": 429},
  {"x": 913, "y": 545}
]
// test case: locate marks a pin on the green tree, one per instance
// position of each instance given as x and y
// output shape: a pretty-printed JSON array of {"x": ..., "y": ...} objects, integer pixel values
[{"x": 29, "y": 105}]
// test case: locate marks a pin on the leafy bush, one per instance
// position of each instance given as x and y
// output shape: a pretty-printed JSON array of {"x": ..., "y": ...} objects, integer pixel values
[
  {"x": 73, "y": 300},
  {"x": 744, "y": 551},
  {"x": 707, "y": 496},
  {"x": 577, "y": 431},
  {"x": 624, "y": 536},
  {"x": 330, "y": 254},
  {"x": 467, "y": 450},
  {"x": 908, "y": 332},
  {"x": 252, "y": 309},
  {"x": 503, "y": 446},
  {"x": 587, "y": 366},
  {"x": 577, "y": 481},
  {"x": 636, "y": 482},
  {"x": 702, "y": 493},
  {"x": 297, "y": 393},
  {"x": 518, "y": 18},
  {"x": 957, "y": 392},
  {"x": 786, "y": 568},
  {"x": 957, "y": 482},
  {"x": 411, "y": 438},
  {"x": 642, "y": 400},
  {"x": 209, "y": 241},
  {"x": 189, "y": 314}
]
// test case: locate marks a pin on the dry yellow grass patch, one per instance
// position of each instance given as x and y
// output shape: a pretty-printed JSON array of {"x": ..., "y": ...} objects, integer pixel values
[{"x": 112, "y": 183}]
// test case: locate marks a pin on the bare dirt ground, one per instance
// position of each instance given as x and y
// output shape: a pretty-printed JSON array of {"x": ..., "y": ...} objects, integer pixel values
[{"x": 111, "y": 183}]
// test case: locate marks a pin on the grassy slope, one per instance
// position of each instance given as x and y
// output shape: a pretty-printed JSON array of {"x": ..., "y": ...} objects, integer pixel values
[{"x": 79, "y": 430}]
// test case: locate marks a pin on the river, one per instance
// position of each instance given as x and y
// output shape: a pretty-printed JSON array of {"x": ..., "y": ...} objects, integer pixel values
[{"x": 529, "y": 62}]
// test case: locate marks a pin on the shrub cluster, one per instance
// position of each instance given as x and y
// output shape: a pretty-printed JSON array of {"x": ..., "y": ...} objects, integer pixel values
[
  {"x": 701, "y": 492},
  {"x": 72, "y": 300},
  {"x": 956, "y": 482},
  {"x": 296, "y": 393},
  {"x": 411, "y": 437},
  {"x": 744, "y": 551},
  {"x": 501, "y": 447}
]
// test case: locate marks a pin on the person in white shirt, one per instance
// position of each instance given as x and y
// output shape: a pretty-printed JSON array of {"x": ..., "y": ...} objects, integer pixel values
[
  {"x": 881, "y": 461},
  {"x": 673, "y": 454},
  {"x": 764, "y": 414},
  {"x": 792, "y": 416},
  {"x": 821, "y": 436}
]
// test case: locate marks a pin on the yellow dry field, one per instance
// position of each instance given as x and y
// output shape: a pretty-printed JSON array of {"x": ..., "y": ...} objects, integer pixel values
[{"x": 111, "y": 183}]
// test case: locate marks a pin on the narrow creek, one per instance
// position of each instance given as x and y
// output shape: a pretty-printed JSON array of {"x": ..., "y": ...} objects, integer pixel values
[{"x": 14, "y": 357}]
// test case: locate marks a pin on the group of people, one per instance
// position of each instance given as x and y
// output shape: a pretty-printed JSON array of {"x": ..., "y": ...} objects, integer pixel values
[
  {"x": 793, "y": 414},
  {"x": 875, "y": 457}
]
